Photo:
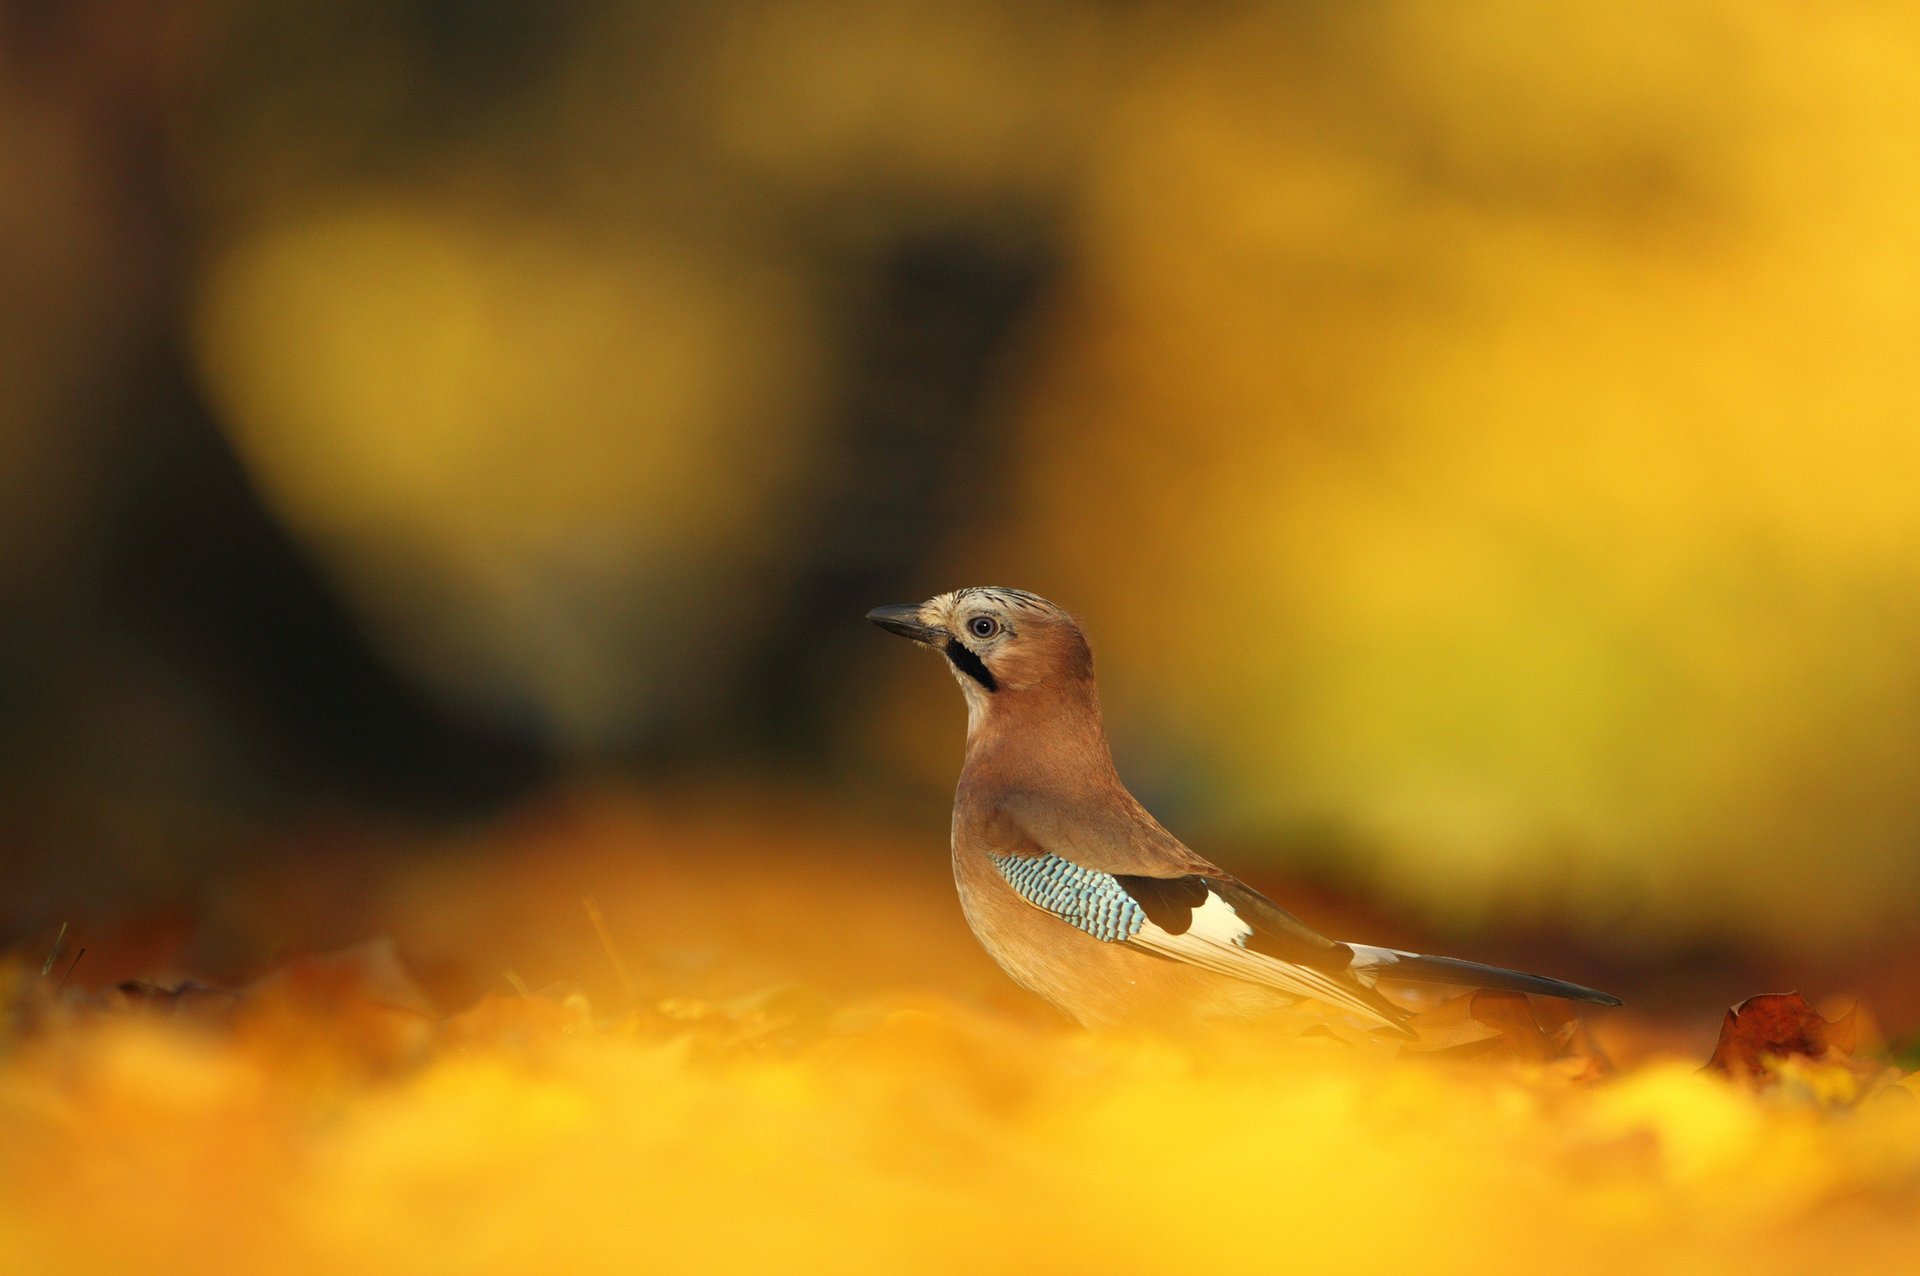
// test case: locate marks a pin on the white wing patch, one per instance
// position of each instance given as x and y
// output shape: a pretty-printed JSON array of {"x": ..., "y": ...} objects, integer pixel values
[{"x": 1215, "y": 920}]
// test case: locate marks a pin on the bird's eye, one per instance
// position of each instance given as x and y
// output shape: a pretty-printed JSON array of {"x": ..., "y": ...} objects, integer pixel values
[{"x": 983, "y": 626}]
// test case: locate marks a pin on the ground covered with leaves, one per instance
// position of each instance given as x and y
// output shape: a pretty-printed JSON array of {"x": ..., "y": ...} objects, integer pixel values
[{"x": 585, "y": 1048}]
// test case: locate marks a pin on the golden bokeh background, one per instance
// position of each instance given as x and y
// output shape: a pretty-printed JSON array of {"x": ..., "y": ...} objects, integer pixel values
[
  {"x": 1480, "y": 442},
  {"x": 447, "y": 448}
]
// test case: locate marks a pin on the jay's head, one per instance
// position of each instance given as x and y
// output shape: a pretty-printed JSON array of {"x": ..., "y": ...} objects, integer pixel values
[{"x": 996, "y": 640}]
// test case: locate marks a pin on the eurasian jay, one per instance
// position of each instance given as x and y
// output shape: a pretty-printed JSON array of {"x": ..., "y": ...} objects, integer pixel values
[{"x": 1079, "y": 894}]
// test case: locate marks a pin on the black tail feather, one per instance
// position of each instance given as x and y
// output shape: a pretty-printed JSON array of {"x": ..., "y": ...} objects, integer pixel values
[{"x": 1416, "y": 968}]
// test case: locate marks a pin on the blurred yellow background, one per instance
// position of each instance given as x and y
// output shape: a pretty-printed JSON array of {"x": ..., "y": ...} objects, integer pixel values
[
  {"x": 447, "y": 448},
  {"x": 1480, "y": 440}
]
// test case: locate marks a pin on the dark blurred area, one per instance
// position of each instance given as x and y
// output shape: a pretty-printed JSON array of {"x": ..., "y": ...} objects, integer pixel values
[
  {"x": 1479, "y": 443},
  {"x": 180, "y": 665}
]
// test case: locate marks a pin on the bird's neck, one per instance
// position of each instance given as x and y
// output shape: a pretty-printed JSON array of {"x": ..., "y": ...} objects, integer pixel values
[{"x": 1051, "y": 733}]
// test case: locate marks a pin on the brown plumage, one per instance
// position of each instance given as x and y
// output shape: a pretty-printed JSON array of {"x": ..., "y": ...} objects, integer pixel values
[{"x": 1078, "y": 892}]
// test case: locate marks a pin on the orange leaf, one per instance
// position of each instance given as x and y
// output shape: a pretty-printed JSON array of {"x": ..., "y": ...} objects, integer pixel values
[{"x": 1778, "y": 1025}]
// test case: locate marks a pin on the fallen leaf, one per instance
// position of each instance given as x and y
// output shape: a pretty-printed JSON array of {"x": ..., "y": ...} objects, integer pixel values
[
  {"x": 1774, "y": 1024},
  {"x": 1502, "y": 1025},
  {"x": 513, "y": 1021},
  {"x": 1778, "y": 1040},
  {"x": 359, "y": 1005}
]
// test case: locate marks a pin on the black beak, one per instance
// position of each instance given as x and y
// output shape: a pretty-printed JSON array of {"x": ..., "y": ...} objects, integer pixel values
[{"x": 904, "y": 619}]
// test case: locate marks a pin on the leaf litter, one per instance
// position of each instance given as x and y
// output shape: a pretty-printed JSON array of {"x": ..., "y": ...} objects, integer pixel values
[{"x": 332, "y": 1113}]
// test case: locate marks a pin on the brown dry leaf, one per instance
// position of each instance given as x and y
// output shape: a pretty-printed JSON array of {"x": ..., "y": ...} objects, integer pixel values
[
  {"x": 1778, "y": 1040},
  {"x": 1499, "y": 1025},
  {"x": 1777, "y": 1025}
]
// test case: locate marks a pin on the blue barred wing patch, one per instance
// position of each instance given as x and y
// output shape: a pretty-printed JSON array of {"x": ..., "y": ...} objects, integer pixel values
[{"x": 1083, "y": 897}]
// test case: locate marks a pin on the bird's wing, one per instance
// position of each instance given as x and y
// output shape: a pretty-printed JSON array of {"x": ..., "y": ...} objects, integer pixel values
[
  {"x": 1196, "y": 925},
  {"x": 1122, "y": 839},
  {"x": 1088, "y": 873},
  {"x": 1111, "y": 870}
]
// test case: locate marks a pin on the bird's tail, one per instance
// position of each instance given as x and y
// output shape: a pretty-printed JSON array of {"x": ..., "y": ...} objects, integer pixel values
[{"x": 1371, "y": 964}]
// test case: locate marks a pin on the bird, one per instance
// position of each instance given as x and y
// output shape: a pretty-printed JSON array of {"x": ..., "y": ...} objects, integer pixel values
[{"x": 1082, "y": 896}]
